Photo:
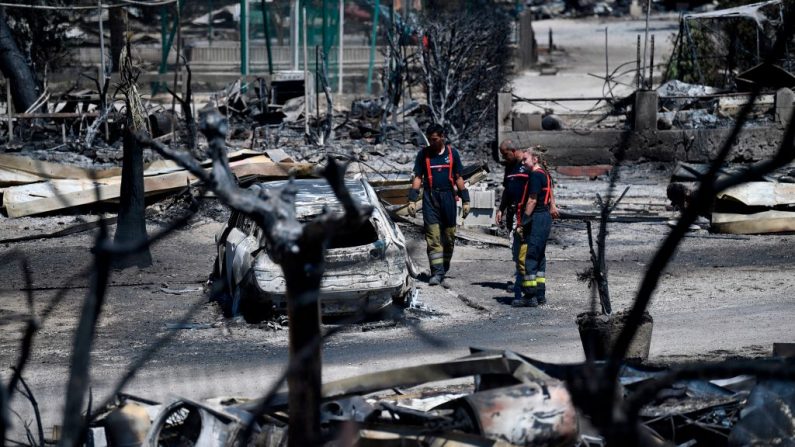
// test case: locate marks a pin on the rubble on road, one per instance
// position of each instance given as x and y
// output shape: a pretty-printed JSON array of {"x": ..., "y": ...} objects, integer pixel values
[
  {"x": 757, "y": 207},
  {"x": 512, "y": 400}
]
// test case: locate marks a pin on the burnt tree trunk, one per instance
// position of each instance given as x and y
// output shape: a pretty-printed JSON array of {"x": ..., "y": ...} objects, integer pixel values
[
  {"x": 16, "y": 69},
  {"x": 118, "y": 26},
  {"x": 303, "y": 274},
  {"x": 131, "y": 226}
]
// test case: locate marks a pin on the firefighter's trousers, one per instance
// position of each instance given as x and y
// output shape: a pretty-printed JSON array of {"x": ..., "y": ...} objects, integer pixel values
[
  {"x": 439, "y": 214},
  {"x": 519, "y": 250},
  {"x": 536, "y": 235}
]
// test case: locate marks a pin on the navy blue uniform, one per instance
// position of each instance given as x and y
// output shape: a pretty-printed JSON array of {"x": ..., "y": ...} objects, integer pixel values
[
  {"x": 516, "y": 183},
  {"x": 536, "y": 230},
  {"x": 438, "y": 173}
]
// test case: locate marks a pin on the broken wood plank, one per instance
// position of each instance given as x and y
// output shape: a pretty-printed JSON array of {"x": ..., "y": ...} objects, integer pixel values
[
  {"x": 263, "y": 167},
  {"x": 49, "y": 170},
  {"x": 761, "y": 194},
  {"x": 25, "y": 201},
  {"x": 757, "y": 223},
  {"x": 163, "y": 176},
  {"x": 55, "y": 115},
  {"x": 483, "y": 238}
]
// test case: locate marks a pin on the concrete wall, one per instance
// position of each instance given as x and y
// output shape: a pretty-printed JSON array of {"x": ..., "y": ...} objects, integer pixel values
[{"x": 568, "y": 147}]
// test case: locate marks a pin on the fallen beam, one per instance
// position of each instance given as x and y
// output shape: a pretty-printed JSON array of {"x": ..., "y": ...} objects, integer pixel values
[{"x": 757, "y": 223}]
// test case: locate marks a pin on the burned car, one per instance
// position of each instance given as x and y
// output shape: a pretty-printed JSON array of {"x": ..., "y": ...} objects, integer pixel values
[{"x": 367, "y": 268}]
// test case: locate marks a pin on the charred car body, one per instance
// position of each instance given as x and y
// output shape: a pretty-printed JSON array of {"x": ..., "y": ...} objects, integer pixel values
[{"x": 367, "y": 268}]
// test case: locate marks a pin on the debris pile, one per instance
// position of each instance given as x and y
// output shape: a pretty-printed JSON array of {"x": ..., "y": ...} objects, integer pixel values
[
  {"x": 766, "y": 205},
  {"x": 512, "y": 400}
]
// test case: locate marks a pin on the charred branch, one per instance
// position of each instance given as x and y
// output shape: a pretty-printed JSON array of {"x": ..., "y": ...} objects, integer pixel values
[
  {"x": 186, "y": 104},
  {"x": 463, "y": 63}
]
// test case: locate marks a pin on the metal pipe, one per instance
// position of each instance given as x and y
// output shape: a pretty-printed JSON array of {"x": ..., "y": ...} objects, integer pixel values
[
  {"x": 651, "y": 63},
  {"x": 10, "y": 111},
  {"x": 637, "y": 63},
  {"x": 376, "y": 9},
  {"x": 306, "y": 79},
  {"x": 294, "y": 42},
  {"x": 244, "y": 16},
  {"x": 646, "y": 38},
  {"x": 339, "y": 58},
  {"x": 266, "y": 29},
  {"x": 607, "y": 65},
  {"x": 210, "y": 23}
]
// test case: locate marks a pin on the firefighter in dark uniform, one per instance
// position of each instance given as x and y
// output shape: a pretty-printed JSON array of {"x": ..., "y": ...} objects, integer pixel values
[
  {"x": 515, "y": 183},
  {"x": 438, "y": 170},
  {"x": 539, "y": 207}
]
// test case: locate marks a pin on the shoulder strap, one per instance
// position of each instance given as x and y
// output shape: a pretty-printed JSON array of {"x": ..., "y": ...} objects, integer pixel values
[
  {"x": 450, "y": 167},
  {"x": 428, "y": 168}
]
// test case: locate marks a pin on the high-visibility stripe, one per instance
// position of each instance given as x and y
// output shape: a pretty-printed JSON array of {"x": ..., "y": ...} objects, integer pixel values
[
  {"x": 522, "y": 204},
  {"x": 529, "y": 284},
  {"x": 529, "y": 277},
  {"x": 437, "y": 261},
  {"x": 517, "y": 175},
  {"x": 541, "y": 280},
  {"x": 437, "y": 255}
]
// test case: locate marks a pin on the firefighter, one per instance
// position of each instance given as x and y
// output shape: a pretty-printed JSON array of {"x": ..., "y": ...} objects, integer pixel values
[
  {"x": 539, "y": 208},
  {"x": 438, "y": 170},
  {"x": 515, "y": 182}
]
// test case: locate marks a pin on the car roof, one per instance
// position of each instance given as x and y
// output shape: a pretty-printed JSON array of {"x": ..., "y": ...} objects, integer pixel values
[{"x": 314, "y": 194}]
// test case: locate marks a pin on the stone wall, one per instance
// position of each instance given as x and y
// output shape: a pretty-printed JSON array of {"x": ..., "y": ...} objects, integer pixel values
[{"x": 569, "y": 147}]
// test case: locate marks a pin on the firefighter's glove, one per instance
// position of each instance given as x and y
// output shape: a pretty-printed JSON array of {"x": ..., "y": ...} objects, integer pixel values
[
  {"x": 414, "y": 196},
  {"x": 465, "y": 209}
]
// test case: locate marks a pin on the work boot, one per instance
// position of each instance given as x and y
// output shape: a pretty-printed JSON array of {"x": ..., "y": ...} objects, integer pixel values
[
  {"x": 437, "y": 275},
  {"x": 525, "y": 302},
  {"x": 436, "y": 279},
  {"x": 541, "y": 300}
]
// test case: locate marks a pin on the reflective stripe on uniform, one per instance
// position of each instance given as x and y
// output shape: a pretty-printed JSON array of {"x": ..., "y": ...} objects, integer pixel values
[
  {"x": 541, "y": 280},
  {"x": 529, "y": 283}
]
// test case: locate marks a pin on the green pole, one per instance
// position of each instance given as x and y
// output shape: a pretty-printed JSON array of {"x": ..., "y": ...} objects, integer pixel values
[
  {"x": 166, "y": 43},
  {"x": 325, "y": 26},
  {"x": 265, "y": 19},
  {"x": 243, "y": 37},
  {"x": 210, "y": 23},
  {"x": 372, "y": 46}
]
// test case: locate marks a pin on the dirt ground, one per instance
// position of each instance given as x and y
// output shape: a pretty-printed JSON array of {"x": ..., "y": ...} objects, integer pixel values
[{"x": 722, "y": 296}]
